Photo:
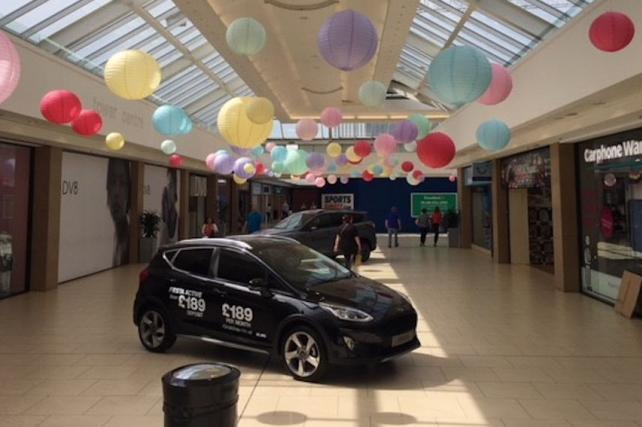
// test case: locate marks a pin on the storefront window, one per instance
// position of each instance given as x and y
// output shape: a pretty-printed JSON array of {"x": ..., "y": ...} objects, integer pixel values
[
  {"x": 482, "y": 216},
  {"x": 15, "y": 172},
  {"x": 197, "y": 204},
  {"x": 224, "y": 211},
  {"x": 610, "y": 192}
]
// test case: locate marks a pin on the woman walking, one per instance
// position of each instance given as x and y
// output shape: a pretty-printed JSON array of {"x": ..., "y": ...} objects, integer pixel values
[
  {"x": 436, "y": 223},
  {"x": 347, "y": 241},
  {"x": 209, "y": 229},
  {"x": 423, "y": 222}
]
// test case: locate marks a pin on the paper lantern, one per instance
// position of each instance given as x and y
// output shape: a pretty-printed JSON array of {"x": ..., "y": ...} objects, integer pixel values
[
  {"x": 385, "y": 144},
  {"x": 319, "y": 182},
  {"x": 279, "y": 153},
  {"x": 306, "y": 129},
  {"x": 362, "y": 148},
  {"x": 424, "y": 126},
  {"x": 269, "y": 146},
  {"x": 278, "y": 167},
  {"x": 436, "y": 150},
  {"x": 342, "y": 160},
  {"x": 377, "y": 170},
  {"x": 260, "y": 110},
  {"x": 493, "y": 135},
  {"x": 186, "y": 126},
  {"x": 114, "y": 141},
  {"x": 372, "y": 93},
  {"x": 132, "y": 74},
  {"x": 238, "y": 180},
  {"x": 258, "y": 151},
  {"x": 333, "y": 149},
  {"x": 60, "y": 106},
  {"x": 407, "y": 166},
  {"x": 611, "y": 31},
  {"x": 169, "y": 147},
  {"x": 405, "y": 132},
  {"x": 331, "y": 168},
  {"x": 260, "y": 169},
  {"x": 331, "y": 117},
  {"x": 240, "y": 167},
  {"x": 410, "y": 147},
  {"x": 310, "y": 177},
  {"x": 609, "y": 180},
  {"x": 295, "y": 162},
  {"x": 237, "y": 129},
  {"x": 392, "y": 176},
  {"x": 223, "y": 164},
  {"x": 332, "y": 179},
  {"x": 500, "y": 87},
  {"x": 10, "y": 67},
  {"x": 169, "y": 120},
  {"x": 245, "y": 36},
  {"x": 452, "y": 178},
  {"x": 459, "y": 74},
  {"x": 315, "y": 161},
  {"x": 352, "y": 156},
  {"x": 250, "y": 169},
  {"x": 417, "y": 174},
  {"x": 209, "y": 159},
  {"x": 175, "y": 161},
  {"x": 367, "y": 176},
  {"x": 87, "y": 123},
  {"x": 410, "y": 180},
  {"x": 347, "y": 40},
  {"x": 344, "y": 180}
]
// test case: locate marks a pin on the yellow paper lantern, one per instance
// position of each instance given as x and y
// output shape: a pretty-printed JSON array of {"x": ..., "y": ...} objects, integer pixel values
[
  {"x": 237, "y": 129},
  {"x": 132, "y": 74},
  {"x": 115, "y": 141},
  {"x": 351, "y": 155},
  {"x": 239, "y": 180},
  {"x": 260, "y": 111},
  {"x": 249, "y": 169},
  {"x": 333, "y": 149}
]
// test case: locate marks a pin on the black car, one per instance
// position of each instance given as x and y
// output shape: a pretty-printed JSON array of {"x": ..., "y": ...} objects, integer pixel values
[
  {"x": 318, "y": 228},
  {"x": 274, "y": 295}
]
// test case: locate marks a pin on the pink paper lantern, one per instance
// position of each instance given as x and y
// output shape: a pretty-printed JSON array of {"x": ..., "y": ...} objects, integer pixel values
[
  {"x": 385, "y": 144},
  {"x": 331, "y": 117},
  {"x": 500, "y": 87},
  {"x": 319, "y": 182},
  {"x": 310, "y": 177},
  {"x": 10, "y": 67},
  {"x": 88, "y": 123},
  {"x": 60, "y": 106},
  {"x": 436, "y": 150},
  {"x": 306, "y": 129},
  {"x": 611, "y": 31},
  {"x": 269, "y": 146},
  {"x": 209, "y": 161},
  {"x": 452, "y": 178}
]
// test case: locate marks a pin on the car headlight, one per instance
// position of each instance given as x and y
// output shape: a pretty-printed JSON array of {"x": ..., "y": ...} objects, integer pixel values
[{"x": 346, "y": 313}]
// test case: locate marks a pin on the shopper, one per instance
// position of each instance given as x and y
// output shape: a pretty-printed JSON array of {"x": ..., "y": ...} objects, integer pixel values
[
  {"x": 347, "y": 241},
  {"x": 285, "y": 209},
  {"x": 436, "y": 223},
  {"x": 393, "y": 225},
  {"x": 209, "y": 228},
  {"x": 254, "y": 221},
  {"x": 423, "y": 222}
]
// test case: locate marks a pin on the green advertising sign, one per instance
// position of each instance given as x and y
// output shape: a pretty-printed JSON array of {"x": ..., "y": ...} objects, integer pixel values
[{"x": 445, "y": 201}]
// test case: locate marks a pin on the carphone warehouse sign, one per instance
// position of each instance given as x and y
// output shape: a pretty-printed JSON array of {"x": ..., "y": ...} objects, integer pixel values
[{"x": 617, "y": 151}]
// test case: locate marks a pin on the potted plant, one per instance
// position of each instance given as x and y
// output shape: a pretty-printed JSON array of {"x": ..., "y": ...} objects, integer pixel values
[{"x": 149, "y": 221}]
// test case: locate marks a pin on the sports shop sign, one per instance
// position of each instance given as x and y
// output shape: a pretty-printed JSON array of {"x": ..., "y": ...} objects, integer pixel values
[{"x": 615, "y": 151}]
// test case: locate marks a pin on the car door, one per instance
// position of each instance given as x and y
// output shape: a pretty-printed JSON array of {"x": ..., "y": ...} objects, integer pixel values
[
  {"x": 248, "y": 315},
  {"x": 194, "y": 295}
]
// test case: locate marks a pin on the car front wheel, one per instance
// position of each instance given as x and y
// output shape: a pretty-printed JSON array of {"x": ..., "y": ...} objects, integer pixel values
[
  {"x": 155, "y": 332},
  {"x": 304, "y": 355},
  {"x": 365, "y": 251}
]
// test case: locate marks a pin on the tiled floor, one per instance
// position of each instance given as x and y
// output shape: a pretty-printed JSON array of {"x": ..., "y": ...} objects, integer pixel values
[{"x": 500, "y": 348}]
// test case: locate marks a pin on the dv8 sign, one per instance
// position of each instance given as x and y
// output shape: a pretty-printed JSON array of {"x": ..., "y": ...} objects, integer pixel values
[{"x": 337, "y": 201}]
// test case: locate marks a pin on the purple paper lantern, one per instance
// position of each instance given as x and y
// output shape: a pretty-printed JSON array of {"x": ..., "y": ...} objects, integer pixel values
[
  {"x": 315, "y": 161},
  {"x": 223, "y": 163},
  {"x": 405, "y": 132},
  {"x": 342, "y": 160},
  {"x": 347, "y": 40},
  {"x": 239, "y": 167}
]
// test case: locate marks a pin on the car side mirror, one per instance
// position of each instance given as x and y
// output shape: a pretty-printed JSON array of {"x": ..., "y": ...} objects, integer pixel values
[{"x": 261, "y": 285}]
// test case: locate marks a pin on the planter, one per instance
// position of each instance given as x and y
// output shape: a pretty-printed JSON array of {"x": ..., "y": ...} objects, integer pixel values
[
  {"x": 147, "y": 249},
  {"x": 453, "y": 237}
]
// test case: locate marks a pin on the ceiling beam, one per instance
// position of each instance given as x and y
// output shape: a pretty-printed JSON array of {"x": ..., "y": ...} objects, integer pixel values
[{"x": 515, "y": 16}]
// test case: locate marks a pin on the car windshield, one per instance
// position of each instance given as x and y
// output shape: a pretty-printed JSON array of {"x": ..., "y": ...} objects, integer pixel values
[
  {"x": 301, "y": 266},
  {"x": 294, "y": 221}
]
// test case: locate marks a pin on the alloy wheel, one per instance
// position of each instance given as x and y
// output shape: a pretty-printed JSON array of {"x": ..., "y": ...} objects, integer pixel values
[
  {"x": 152, "y": 329},
  {"x": 302, "y": 354}
]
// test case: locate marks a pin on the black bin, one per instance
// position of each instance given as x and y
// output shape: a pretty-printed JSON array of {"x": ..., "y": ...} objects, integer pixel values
[{"x": 201, "y": 395}]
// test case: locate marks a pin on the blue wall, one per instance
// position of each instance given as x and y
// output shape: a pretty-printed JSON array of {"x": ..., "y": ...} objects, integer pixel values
[{"x": 378, "y": 196}]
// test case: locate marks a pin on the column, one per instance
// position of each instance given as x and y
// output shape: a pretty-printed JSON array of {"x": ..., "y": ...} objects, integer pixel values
[
  {"x": 465, "y": 211},
  {"x": 234, "y": 209},
  {"x": 211, "y": 202},
  {"x": 565, "y": 228},
  {"x": 183, "y": 206},
  {"x": 136, "y": 195},
  {"x": 501, "y": 245},
  {"x": 45, "y": 246}
]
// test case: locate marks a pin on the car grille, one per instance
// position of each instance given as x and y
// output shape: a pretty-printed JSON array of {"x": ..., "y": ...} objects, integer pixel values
[{"x": 399, "y": 323}]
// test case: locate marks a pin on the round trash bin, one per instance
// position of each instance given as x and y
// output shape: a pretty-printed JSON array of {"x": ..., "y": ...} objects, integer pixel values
[{"x": 201, "y": 395}]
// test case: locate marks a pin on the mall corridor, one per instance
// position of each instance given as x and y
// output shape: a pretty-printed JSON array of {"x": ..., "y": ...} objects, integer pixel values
[{"x": 500, "y": 347}]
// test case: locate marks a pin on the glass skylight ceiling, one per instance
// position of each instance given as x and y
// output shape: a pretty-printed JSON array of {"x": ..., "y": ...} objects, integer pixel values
[
  {"x": 348, "y": 131},
  {"x": 505, "y": 30},
  {"x": 89, "y": 32}
]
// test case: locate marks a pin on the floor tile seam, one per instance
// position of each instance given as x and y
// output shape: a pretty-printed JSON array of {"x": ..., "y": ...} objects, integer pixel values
[{"x": 258, "y": 380}]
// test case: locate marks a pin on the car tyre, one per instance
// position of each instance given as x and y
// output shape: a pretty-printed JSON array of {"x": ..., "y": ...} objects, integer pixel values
[
  {"x": 365, "y": 251},
  {"x": 155, "y": 330},
  {"x": 304, "y": 354}
]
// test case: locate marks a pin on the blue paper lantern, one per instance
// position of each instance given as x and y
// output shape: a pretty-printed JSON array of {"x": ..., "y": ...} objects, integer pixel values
[
  {"x": 493, "y": 135},
  {"x": 459, "y": 75},
  {"x": 170, "y": 120},
  {"x": 372, "y": 93},
  {"x": 258, "y": 151},
  {"x": 424, "y": 126},
  {"x": 377, "y": 170},
  {"x": 295, "y": 162},
  {"x": 278, "y": 167},
  {"x": 246, "y": 36},
  {"x": 279, "y": 153},
  {"x": 347, "y": 40}
]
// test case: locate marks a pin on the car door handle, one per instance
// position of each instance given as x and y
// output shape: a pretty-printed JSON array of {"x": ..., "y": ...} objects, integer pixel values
[{"x": 220, "y": 292}]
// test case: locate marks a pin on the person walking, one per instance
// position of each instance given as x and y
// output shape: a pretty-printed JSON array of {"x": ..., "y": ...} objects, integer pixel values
[
  {"x": 347, "y": 241},
  {"x": 393, "y": 225},
  {"x": 285, "y": 209},
  {"x": 254, "y": 221},
  {"x": 423, "y": 222},
  {"x": 209, "y": 228},
  {"x": 436, "y": 220}
]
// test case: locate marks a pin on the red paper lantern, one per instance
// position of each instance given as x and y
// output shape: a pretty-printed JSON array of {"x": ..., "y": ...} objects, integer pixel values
[
  {"x": 88, "y": 123},
  {"x": 60, "y": 106},
  {"x": 362, "y": 148},
  {"x": 367, "y": 176},
  {"x": 260, "y": 168},
  {"x": 175, "y": 161},
  {"x": 418, "y": 175},
  {"x": 611, "y": 31},
  {"x": 407, "y": 166},
  {"x": 436, "y": 150}
]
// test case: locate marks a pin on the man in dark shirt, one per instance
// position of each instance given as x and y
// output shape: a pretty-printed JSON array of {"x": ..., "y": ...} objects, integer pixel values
[
  {"x": 393, "y": 225},
  {"x": 347, "y": 241}
]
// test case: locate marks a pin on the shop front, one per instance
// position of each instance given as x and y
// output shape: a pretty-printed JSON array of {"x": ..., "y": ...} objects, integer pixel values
[
  {"x": 610, "y": 202},
  {"x": 528, "y": 180},
  {"x": 197, "y": 204},
  {"x": 478, "y": 178}
]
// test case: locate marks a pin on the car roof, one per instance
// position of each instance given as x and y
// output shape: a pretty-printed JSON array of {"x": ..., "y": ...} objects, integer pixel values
[
  {"x": 247, "y": 241},
  {"x": 341, "y": 211}
]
